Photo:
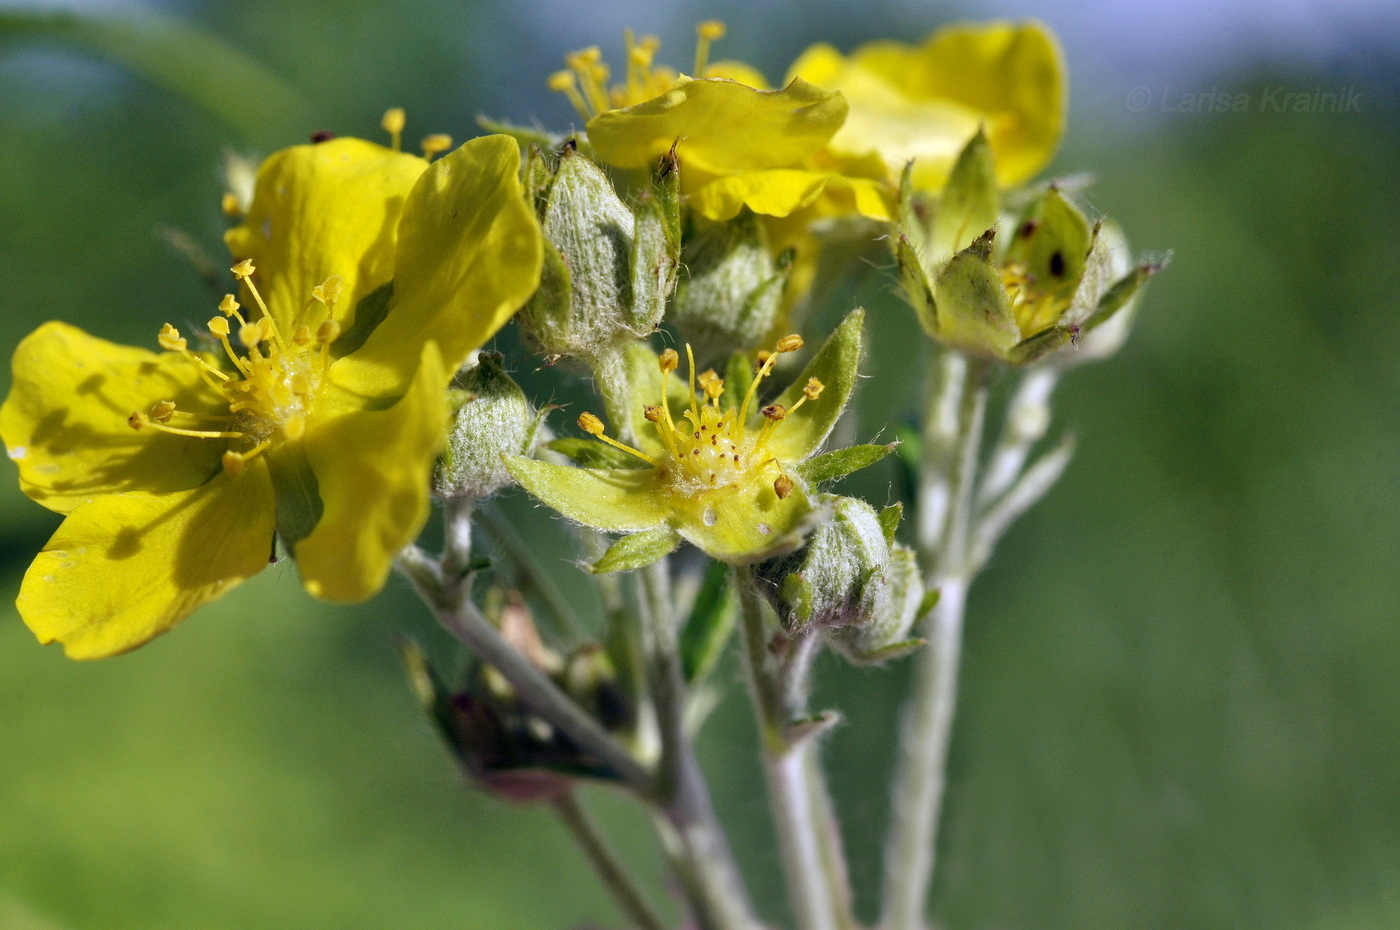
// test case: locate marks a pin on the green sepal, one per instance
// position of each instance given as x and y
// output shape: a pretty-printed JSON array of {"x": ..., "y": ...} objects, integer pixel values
[
  {"x": 839, "y": 463},
  {"x": 805, "y": 728},
  {"x": 796, "y": 595},
  {"x": 1043, "y": 343},
  {"x": 914, "y": 210},
  {"x": 930, "y": 601},
  {"x": 738, "y": 374},
  {"x": 917, "y": 289},
  {"x": 710, "y": 624},
  {"x": 886, "y": 653},
  {"x": 1052, "y": 241},
  {"x": 656, "y": 251},
  {"x": 637, "y": 551},
  {"x": 834, "y": 365},
  {"x": 974, "y": 312},
  {"x": 590, "y": 453},
  {"x": 525, "y": 135},
  {"x": 889, "y": 520},
  {"x": 970, "y": 203},
  {"x": 1120, "y": 294},
  {"x": 299, "y": 505},
  {"x": 615, "y": 500}
]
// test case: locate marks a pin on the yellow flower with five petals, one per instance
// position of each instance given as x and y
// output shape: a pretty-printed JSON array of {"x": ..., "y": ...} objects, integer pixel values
[{"x": 368, "y": 276}]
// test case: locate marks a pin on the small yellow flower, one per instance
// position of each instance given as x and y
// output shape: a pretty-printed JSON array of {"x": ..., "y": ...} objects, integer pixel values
[
  {"x": 739, "y": 143},
  {"x": 367, "y": 277},
  {"x": 923, "y": 103},
  {"x": 713, "y": 466}
]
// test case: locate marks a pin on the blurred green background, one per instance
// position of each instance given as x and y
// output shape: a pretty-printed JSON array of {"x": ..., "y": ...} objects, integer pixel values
[{"x": 1181, "y": 706}]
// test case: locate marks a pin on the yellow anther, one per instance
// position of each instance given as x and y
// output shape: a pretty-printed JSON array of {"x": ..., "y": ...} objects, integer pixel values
[
  {"x": 136, "y": 420},
  {"x": 328, "y": 332},
  {"x": 435, "y": 143},
  {"x": 301, "y": 384},
  {"x": 650, "y": 43},
  {"x": 652, "y": 412},
  {"x": 229, "y": 305},
  {"x": 782, "y": 486},
  {"x": 302, "y": 336},
  {"x": 230, "y": 205},
  {"x": 243, "y": 269},
  {"x": 163, "y": 410},
  {"x": 789, "y": 344},
  {"x": 328, "y": 291},
  {"x": 250, "y": 334},
  {"x": 670, "y": 360},
  {"x": 295, "y": 427},
  {"x": 234, "y": 462},
  {"x": 640, "y": 57},
  {"x": 561, "y": 82},
  {"x": 218, "y": 326},
  {"x": 711, "y": 30},
  {"x": 590, "y": 424},
  {"x": 584, "y": 57},
  {"x": 762, "y": 358},
  {"x": 170, "y": 339},
  {"x": 775, "y": 412},
  {"x": 393, "y": 123},
  {"x": 813, "y": 389}
]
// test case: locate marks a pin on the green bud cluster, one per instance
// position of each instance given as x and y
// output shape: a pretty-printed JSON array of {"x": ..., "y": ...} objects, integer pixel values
[
  {"x": 610, "y": 266},
  {"x": 852, "y": 579}
]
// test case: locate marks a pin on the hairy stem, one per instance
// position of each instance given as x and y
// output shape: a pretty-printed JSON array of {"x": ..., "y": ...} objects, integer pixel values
[
  {"x": 696, "y": 841},
  {"x": 955, "y": 412},
  {"x": 802, "y": 812},
  {"x": 612, "y": 873}
]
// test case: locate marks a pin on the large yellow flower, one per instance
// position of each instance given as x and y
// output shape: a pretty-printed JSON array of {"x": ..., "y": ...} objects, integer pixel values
[
  {"x": 368, "y": 276},
  {"x": 924, "y": 103}
]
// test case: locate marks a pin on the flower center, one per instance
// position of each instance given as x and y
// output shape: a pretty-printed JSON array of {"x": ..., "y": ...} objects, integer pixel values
[
  {"x": 585, "y": 80},
  {"x": 271, "y": 391},
  {"x": 710, "y": 446},
  {"x": 1035, "y": 308}
]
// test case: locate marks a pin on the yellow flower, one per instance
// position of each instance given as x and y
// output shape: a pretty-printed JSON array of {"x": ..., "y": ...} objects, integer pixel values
[
  {"x": 924, "y": 103},
  {"x": 712, "y": 465},
  {"x": 739, "y": 143},
  {"x": 368, "y": 276}
]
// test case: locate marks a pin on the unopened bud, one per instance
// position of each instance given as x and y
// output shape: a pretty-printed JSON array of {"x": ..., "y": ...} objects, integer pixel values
[{"x": 495, "y": 420}]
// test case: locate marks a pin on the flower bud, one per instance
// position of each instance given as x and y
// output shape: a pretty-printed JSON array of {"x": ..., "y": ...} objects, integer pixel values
[
  {"x": 838, "y": 578},
  {"x": 887, "y": 636},
  {"x": 494, "y": 420},
  {"x": 732, "y": 293},
  {"x": 610, "y": 266}
]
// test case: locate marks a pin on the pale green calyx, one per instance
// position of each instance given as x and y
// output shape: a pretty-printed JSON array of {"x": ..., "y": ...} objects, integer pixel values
[
  {"x": 610, "y": 266},
  {"x": 1016, "y": 289},
  {"x": 494, "y": 419},
  {"x": 731, "y": 295}
]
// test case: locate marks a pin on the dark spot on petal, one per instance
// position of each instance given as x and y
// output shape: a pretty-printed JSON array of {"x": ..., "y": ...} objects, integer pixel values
[
  {"x": 321, "y": 135},
  {"x": 1057, "y": 265}
]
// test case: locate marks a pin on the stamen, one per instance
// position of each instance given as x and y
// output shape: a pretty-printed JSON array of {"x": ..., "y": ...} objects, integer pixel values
[
  {"x": 669, "y": 361},
  {"x": 786, "y": 344},
  {"x": 230, "y": 206},
  {"x": 782, "y": 486},
  {"x": 139, "y": 421},
  {"x": 393, "y": 123},
  {"x": 594, "y": 427},
  {"x": 435, "y": 144},
  {"x": 169, "y": 338},
  {"x": 706, "y": 32},
  {"x": 235, "y": 461},
  {"x": 566, "y": 83},
  {"x": 690, "y": 363}
]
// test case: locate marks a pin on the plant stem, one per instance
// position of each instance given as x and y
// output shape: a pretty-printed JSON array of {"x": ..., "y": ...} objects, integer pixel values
[
  {"x": 812, "y": 861},
  {"x": 448, "y": 600},
  {"x": 612, "y": 872},
  {"x": 955, "y": 413},
  {"x": 696, "y": 842}
]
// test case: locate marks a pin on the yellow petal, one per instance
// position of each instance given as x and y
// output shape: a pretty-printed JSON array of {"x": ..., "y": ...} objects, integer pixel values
[
  {"x": 618, "y": 500},
  {"x": 925, "y": 102},
  {"x": 372, "y": 470},
  {"x": 745, "y": 522},
  {"x": 469, "y": 256},
  {"x": 65, "y": 421},
  {"x": 777, "y": 192},
  {"x": 723, "y": 126},
  {"x": 124, "y": 568},
  {"x": 320, "y": 210}
]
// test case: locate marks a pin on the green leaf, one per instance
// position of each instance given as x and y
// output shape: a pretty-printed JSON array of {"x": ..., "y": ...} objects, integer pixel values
[
  {"x": 593, "y": 454},
  {"x": 970, "y": 203},
  {"x": 637, "y": 551},
  {"x": 181, "y": 59},
  {"x": 841, "y": 462},
  {"x": 614, "y": 500},
  {"x": 834, "y": 365},
  {"x": 710, "y": 624}
]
